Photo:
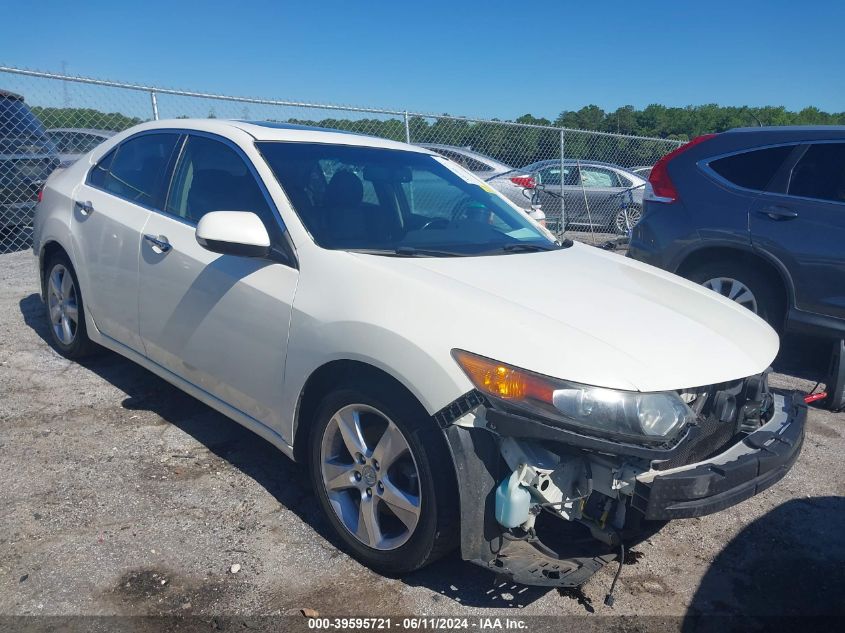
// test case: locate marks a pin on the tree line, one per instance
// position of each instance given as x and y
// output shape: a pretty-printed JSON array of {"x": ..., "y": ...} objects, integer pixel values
[{"x": 521, "y": 145}]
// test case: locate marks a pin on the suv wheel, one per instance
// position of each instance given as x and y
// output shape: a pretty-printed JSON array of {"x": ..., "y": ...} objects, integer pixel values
[
  {"x": 378, "y": 471},
  {"x": 749, "y": 288},
  {"x": 65, "y": 310}
]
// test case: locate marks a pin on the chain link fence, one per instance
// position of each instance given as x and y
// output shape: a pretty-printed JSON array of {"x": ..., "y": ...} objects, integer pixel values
[{"x": 589, "y": 185}]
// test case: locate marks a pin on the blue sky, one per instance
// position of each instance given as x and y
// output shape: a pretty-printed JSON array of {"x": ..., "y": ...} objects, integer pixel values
[{"x": 488, "y": 59}]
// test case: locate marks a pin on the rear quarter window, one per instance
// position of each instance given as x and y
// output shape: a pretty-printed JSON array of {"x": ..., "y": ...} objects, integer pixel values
[{"x": 754, "y": 169}]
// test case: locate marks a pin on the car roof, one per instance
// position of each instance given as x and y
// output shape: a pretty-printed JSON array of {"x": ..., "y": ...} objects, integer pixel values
[
  {"x": 274, "y": 131},
  {"x": 5, "y": 94},
  {"x": 768, "y": 129},
  {"x": 467, "y": 152}
]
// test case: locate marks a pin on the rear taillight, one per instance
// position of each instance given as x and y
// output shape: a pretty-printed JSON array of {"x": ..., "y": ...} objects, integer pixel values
[
  {"x": 660, "y": 187},
  {"x": 524, "y": 181},
  {"x": 40, "y": 193}
]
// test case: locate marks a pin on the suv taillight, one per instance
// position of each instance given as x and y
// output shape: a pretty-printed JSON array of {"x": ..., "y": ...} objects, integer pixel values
[{"x": 660, "y": 187}]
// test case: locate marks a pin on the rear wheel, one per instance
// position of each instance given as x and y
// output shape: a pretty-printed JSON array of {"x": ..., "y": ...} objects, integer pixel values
[
  {"x": 746, "y": 286},
  {"x": 65, "y": 309},
  {"x": 626, "y": 219},
  {"x": 371, "y": 464}
]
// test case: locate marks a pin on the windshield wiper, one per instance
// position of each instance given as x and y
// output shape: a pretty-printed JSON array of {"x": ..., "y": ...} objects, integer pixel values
[
  {"x": 527, "y": 247},
  {"x": 413, "y": 251},
  {"x": 407, "y": 251}
]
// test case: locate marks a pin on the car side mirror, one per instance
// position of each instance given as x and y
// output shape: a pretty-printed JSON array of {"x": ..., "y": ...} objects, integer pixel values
[{"x": 233, "y": 233}]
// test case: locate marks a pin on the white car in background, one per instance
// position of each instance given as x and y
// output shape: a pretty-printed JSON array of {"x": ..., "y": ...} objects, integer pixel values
[
  {"x": 72, "y": 143},
  {"x": 516, "y": 185},
  {"x": 442, "y": 392}
]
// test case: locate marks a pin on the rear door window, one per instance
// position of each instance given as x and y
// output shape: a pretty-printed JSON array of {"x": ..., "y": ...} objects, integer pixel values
[
  {"x": 820, "y": 173},
  {"x": 752, "y": 170},
  {"x": 97, "y": 178},
  {"x": 592, "y": 177},
  {"x": 138, "y": 168}
]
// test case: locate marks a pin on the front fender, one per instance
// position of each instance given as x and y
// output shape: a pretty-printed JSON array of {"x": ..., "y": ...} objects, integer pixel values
[{"x": 433, "y": 380}]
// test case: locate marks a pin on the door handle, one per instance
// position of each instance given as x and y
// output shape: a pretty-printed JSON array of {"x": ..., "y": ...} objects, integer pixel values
[
  {"x": 779, "y": 213},
  {"x": 159, "y": 242},
  {"x": 85, "y": 208}
]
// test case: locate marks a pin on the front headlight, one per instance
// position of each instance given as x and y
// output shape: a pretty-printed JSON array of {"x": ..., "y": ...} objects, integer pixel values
[{"x": 628, "y": 414}]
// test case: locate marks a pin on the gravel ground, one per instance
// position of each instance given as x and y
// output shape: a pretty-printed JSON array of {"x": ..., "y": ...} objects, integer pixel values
[{"x": 122, "y": 495}]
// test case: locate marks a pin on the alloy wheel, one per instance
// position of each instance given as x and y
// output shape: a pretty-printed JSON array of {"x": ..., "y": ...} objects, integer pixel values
[
  {"x": 734, "y": 290},
  {"x": 370, "y": 477},
  {"x": 62, "y": 301},
  {"x": 627, "y": 219}
]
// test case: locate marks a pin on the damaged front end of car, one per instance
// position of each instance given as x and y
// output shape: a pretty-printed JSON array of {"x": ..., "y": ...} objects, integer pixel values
[{"x": 555, "y": 477}]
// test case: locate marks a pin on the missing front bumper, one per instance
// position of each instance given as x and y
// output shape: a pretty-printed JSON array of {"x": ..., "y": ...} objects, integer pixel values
[
  {"x": 748, "y": 467},
  {"x": 741, "y": 471}
]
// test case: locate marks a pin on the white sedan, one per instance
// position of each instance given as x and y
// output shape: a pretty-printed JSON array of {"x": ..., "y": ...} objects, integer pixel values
[{"x": 452, "y": 375}]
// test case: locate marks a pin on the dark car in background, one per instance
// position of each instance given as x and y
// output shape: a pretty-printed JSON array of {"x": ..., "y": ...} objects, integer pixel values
[
  {"x": 758, "y": 215},
  {"x": 27, "y": 158}
]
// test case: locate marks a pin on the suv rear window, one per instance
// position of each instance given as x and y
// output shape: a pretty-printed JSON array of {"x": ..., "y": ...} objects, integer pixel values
[{"x": 754, "y": 169}]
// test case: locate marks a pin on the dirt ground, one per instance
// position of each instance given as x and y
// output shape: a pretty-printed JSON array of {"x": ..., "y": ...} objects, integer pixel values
[{"x": 121, "y": 495}]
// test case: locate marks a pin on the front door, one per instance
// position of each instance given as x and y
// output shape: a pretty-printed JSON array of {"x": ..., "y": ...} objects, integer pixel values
[{"x": 218, "y": 321}]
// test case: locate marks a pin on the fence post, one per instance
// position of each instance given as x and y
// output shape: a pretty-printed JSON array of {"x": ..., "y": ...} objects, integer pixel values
[
  {"x": 154, "y": 102},
  {"x": 562, "y": 180},
  {"x": 407, "y": 129}
]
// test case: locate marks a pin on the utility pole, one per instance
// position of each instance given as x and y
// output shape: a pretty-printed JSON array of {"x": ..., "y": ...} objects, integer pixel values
[{"x": 64, "y": 85}]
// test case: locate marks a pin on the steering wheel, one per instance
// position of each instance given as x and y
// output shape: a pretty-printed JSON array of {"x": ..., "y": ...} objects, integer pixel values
[{"x": 435, "y": 223}]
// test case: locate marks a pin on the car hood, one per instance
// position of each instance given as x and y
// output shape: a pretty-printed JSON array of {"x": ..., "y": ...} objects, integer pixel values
[{"x": 585, "y": 315}]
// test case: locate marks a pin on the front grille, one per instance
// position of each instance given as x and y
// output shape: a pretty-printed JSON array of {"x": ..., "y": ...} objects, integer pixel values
[{"x": 712, "y": 437}]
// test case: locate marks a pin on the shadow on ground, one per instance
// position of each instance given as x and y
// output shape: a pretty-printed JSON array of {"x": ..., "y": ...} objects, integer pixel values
[
  {"x": 789, "y": 563},
  {"x": 285, "y": 480}
]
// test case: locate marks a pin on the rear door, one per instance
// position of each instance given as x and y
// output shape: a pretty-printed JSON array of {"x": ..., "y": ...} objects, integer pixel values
[
  {"x": 218, "y": 321},
  {"x": 550, "y": 196},
  {"x": 801, "y": 221},
  {"x": 601, "y": 194},
  {"x": 111, "y": 208}
]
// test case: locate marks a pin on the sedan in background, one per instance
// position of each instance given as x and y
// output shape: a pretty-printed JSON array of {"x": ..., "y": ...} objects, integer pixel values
[
  {"x": 72, "y": 143},
  {"x": 591, "y": 195},
  {"x": 515, "y": 184},
  {"x": 643, "y": 171}
]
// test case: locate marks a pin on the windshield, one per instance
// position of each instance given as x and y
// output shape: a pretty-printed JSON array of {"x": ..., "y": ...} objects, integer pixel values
[{"x": 397, "y": 202}]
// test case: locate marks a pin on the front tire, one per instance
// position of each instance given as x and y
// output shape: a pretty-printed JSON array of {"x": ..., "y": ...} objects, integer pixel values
[
  {"x": 383, "y": 477},
  {"x": 65, "y": 309}
]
